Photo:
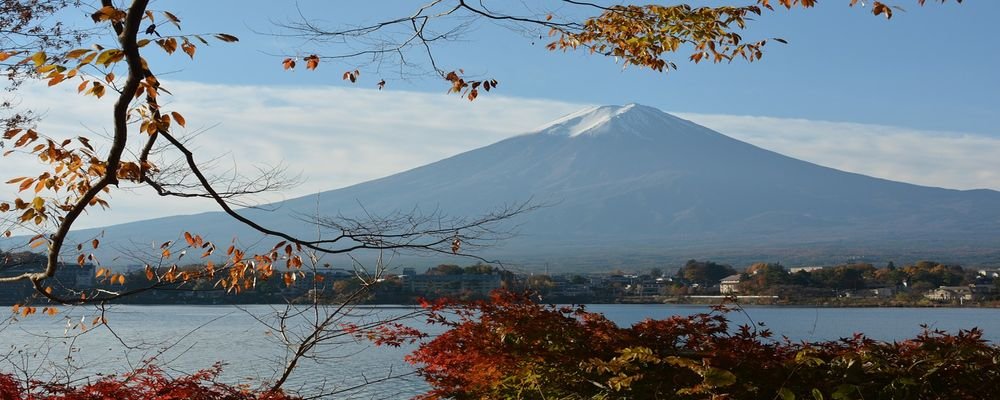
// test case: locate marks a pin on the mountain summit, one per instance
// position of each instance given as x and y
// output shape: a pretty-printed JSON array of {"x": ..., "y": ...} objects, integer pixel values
[
  {"x": 628, "y": 119},
  {"x": 634, "y": 185}
]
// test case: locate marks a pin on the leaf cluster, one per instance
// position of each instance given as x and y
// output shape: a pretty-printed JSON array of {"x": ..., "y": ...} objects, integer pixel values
[
  {"x": 512, "y": 347},
  {"x": 146, "y": 383}
]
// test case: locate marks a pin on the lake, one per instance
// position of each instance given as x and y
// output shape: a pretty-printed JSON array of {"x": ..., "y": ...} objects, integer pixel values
[{"x": 188, "y": 338}]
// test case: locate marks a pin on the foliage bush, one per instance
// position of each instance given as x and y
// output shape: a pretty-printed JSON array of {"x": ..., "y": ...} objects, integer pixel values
[
  {"x": 512, "y": 347},
  {"x": 150, "y": 383}
]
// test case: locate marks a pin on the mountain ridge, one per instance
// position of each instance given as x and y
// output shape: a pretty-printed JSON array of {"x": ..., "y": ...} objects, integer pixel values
[{"x": 615, "y": 175}]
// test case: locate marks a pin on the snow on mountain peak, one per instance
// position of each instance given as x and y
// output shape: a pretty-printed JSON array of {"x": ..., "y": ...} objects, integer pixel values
[{"x": 596, "y": 120}]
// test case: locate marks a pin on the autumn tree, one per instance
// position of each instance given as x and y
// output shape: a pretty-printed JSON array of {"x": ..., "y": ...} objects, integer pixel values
[
  {"x": 79, "y": 176},
  {"x": 705, "y": 272},
  {"x": 512, "y": 347},
  {"x": 81, "y": 173},
  {"x": 112, "y": 59},
  {"x": 653, "y": 36}
]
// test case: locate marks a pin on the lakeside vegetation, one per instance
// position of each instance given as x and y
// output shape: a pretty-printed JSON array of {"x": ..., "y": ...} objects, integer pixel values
[
  {"x": 512, "y": 347},
  {"x": 923, "y": 283}
]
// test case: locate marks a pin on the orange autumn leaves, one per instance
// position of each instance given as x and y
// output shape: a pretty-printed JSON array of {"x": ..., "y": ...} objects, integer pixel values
[
  {"x": 635, "y": 35},
  {"x": 77, "y": 174}
]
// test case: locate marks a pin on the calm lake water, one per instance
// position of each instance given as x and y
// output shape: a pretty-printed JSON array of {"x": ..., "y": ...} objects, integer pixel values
[{"x": 188, "y": 338}]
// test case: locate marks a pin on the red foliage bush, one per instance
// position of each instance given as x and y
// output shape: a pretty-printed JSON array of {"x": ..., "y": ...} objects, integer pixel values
[
  {"x": 511, "y": 347},
  {"x": 144, "y": 384}
]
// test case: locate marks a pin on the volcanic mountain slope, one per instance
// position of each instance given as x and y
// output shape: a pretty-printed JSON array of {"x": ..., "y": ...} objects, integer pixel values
[{"x": 620, "y": 180}]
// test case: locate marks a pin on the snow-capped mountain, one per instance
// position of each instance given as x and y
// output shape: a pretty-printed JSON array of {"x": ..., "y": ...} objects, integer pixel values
[{"x": 631, "y": 183}]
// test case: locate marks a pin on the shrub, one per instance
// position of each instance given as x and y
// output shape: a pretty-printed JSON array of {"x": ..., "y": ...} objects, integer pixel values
[
  {"x": 512, "y": 347},
  {"x": 149, "y": 383}
]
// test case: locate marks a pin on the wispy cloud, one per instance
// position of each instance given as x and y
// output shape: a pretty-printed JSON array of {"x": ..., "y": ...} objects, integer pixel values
[
  {"x": 945, "y": 159},
  {"x": 334, "y": 137},
  {"x": 330, "y": 137}
]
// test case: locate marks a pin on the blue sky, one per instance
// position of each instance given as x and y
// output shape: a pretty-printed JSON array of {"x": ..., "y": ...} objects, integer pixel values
[
  {"x": 931, "y": 67},
  {"x": 913, "y": 99}
]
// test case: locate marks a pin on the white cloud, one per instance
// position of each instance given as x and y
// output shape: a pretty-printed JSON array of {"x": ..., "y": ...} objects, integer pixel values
[
  {"x": 338, "y": 136},
  {"x": 331, "y": 136},
  {"x": 944, "y": 159}
]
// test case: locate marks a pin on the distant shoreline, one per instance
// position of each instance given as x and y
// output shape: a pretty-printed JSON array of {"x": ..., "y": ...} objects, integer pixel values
[{"x": 796, "y": 305}]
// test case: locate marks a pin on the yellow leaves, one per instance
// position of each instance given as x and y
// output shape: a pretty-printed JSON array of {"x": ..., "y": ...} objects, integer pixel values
[
  {"x": 110, "y": 56},
  {"x": 112, "y": 278},
  {"x": 108, "y": 13},
  {"x": 642, "y": 35},
  {"x": 31, "y": 215},
  {"x": 74, "y": 54},
  {"x": 38, "y": 203},
  {"x": 45, "y": 68},
  {"x": 89, "y": 58},
  {"x": 38, "y": 58},
  {"x": 5, "y": 55},
  {"x": 38, "y": 241},
  {"x": 150, "y": 274}
]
